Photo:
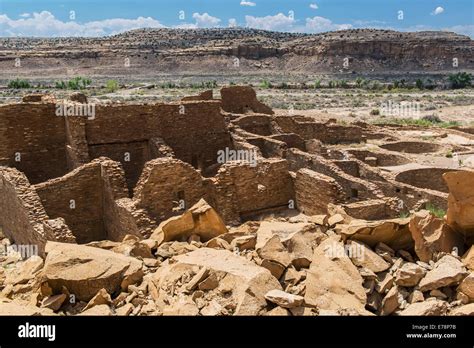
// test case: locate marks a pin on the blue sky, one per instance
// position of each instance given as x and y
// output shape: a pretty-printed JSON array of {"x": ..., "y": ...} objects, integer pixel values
[{"x": 104, "y": 17}]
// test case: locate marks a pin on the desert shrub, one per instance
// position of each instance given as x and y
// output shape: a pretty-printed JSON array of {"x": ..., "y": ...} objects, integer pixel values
[
  {"x": 111, "y": 86},
  {"x": 19, "y": 83},
  {"x": 460, "y": 80},
  {"x": 419, "y": 84},
  {"x": 438, "y": 212},
  {"x": 375, "y": 112}
]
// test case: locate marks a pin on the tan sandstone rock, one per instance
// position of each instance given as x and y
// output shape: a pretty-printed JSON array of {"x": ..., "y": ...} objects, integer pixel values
[
  {"x": 284, "y": 299},
  {"x": 394, "y": 233},
  {"x": 201, "y": 219},
  {"x": 461, "y": 201},
  {"x": 446, "y": 272},
  {"x": 242, "y": 281},
  {"x": 85, "y": 270},
  {"x": 432, "y": 235},
  {"x": 333, "y": 282}
]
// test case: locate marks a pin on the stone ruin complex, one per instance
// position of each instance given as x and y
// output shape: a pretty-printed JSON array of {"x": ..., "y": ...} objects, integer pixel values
[{"x": 142, "y": 179}]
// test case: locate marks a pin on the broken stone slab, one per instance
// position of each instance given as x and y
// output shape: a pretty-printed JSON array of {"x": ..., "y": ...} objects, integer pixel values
[
  {"x": 54, "y": 302},
  {"x": 201, "y": 219},
  {"x": 467, "y": 310},
  {"x": 446, "y": 272},
  {"x": 460, "y": 213},
  {"x": 468, "y": 259},
  {"x": 284, "y": 231},
  {"x": 432, "y": 236},
  {"x": 242, "y": 282},
  {"x": 278, "y": 312},
  {"x": 181, "y": 307},
  {"x": 275, "y": 251},
  {"x": 84, "y": 270},
  {"x": 24, "y": 271},
  {"x": 22, "y": 309},
  {"x": 362, "y": 256},
  {"x": 384, "y": 282},
  {"x": 284, "y": 299},
  {"x": 394, "y": 233},
  {"x": 391, "y": 302},
  {"x": 430, "y": 307},
  {"x": 98, "y": 311},
  {"x": 467, "y": 286},
  {"x": 332, "y": 281},
  {"x": 102, "y": 297},
  {"x": 409, "y": 274}
]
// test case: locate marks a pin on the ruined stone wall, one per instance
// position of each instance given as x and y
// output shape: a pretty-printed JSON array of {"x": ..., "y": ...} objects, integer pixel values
[
  {"x": 291, "y": 140},
  {"x": 194, "y": 130},
  {"x": 328, "y": 133},
  {"x": 429, "y": 178},
  {"x": 164, "y": 183},
  {"x": 132, "y": 156},
  {"x": 242, "y": 99},
  {"x": 314, "y": 191},
  {"x": 252, "y": 189},
  {"x": 21, "y": 211},
  {"x": 84, "y": 187},
  {"x": 38, "y": 135},
  {"x": 197, "y": 135},
  {"x": 354, "y": 188},
  {"x": 256, "y": 124}
]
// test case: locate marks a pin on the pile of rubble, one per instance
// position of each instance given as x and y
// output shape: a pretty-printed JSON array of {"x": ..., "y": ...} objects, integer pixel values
[{"x": 193, "y": 264}]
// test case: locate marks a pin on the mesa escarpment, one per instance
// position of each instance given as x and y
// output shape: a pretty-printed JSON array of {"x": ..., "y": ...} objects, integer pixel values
[
  {"x": 218, "y": 206},
  {"x": 214, "y": 51}
]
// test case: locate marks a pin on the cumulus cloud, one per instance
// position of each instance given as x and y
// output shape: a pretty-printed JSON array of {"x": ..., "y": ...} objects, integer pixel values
[
  {"x": 438, "y": 10},
  {"x": 247, "y": 3},
  {"x": 313, "y": 6},
  {"x": 24, "y": 15},
  {"x": 277, "y": 22},
  {"x": 205, "y": 20},
  {"x": 232, "y": 22},
  {"x": 320, "y": 24},
  {"x": 44, "y": 24}
]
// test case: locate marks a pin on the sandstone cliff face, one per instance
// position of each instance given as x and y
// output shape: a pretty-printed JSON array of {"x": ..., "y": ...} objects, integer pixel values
[{"x": 215, "y": 50}]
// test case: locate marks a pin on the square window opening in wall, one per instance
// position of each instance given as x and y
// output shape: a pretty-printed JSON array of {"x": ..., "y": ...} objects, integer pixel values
[{"x": 354, "y": 193}]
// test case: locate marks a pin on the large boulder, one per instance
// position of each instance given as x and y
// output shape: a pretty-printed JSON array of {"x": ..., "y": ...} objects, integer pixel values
[
  {"x": 461, "y": 202},
  {"x": 85, "y": 270},
  {"x": 333, "y": 282},
  {"x": 236, "y": 284},
  {"x": 432, "y": 235},
  {"x": 447, "y": 271},
  {"x": 394, "y": 232},
  {"x": 201, "y": 219}
]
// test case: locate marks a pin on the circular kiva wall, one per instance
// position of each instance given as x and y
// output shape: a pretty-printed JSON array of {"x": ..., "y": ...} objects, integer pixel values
[
  {"x": 383, "y": 159},
  {"x": 412, "y": 147},
  {"x": 427, "y": 178}
]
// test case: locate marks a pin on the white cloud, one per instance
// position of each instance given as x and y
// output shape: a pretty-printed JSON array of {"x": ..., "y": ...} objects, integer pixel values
[
  {"x": 320, "y": 24},
  {"x": 24, "y": 15},
  {"x": 232, "y": 22},
  {"x": 205, "y": 20},
  {"x": 462, "y": 29},
  {"x": 44, "y": 24},
  {"x": 277, "y": 22},
  {"x": 247, "y": 3},
  {"x": 438, "y": 10},
  {"x": 313, "y": 6}
]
